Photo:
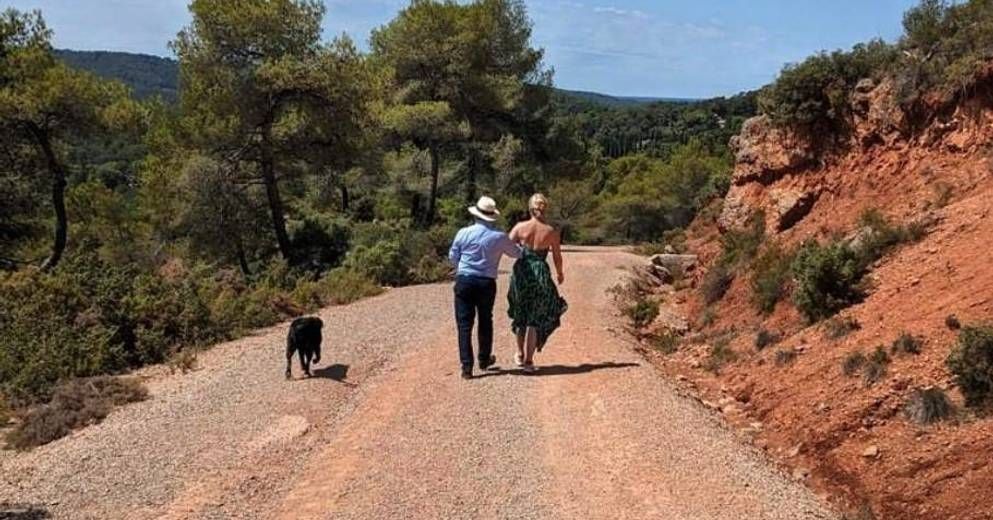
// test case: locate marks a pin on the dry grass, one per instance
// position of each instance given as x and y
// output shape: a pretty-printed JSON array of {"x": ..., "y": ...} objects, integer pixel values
[
  {"x": 928, "y": 406},
  {"x": 75, "y": 403}
]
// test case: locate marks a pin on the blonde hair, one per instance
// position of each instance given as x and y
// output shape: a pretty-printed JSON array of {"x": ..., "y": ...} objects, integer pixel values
[{"x": 537, "y": 205}]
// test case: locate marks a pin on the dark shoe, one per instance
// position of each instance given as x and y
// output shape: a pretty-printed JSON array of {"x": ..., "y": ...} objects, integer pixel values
[
  {"x": 483, "y": 365},
  {"x": 466, "y": 373}
]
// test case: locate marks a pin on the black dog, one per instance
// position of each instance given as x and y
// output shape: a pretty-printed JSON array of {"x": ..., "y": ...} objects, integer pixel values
[{"x": 305, "y": 338}]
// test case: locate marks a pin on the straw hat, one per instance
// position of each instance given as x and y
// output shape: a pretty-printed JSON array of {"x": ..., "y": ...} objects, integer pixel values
[{"x": 485, "y": 209}]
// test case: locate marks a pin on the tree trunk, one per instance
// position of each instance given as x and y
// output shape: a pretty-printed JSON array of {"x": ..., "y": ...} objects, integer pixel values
[
  {"x": 433, "y": 198},
  {"x": 470, "y": 179},
  {"x": 275, "y": 203},
  {"x": 242, "y": 258},
  {"x": 58, "y": 202},
  {"x": 345, "y": 199}
]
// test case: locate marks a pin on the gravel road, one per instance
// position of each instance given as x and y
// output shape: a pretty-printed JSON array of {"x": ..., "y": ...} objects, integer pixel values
[{"x": 389, "y": 430}]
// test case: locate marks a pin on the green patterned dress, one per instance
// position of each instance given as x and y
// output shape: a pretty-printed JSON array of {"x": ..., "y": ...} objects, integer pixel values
[{"x": 533, "y": 299}]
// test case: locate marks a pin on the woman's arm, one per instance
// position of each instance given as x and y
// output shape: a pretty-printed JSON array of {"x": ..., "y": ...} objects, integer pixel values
[{"x": 557, "y": 256}]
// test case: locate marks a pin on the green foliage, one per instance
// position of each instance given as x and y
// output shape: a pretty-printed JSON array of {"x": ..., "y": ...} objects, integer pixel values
[
  {"x": 75, "y": 403},
  {"x": 837, "y": 328},
  {"x": 882, "y": 236},
  {"x": 853, "y": 363},
  {"x": 971, "y": 364},
  {"x": 720, "y": 354},
  {"x": 642, "y": 313},
  {"x": 813, "y": 96},
  {"x": 907, "y": 344},
  {"x": 928, "y": 406},
  {"x": 944, "y": 50},
  {"x": 765, "y": 338},
  {"x": 739, "y": 246},
  {"x": 828, "y": 278},
  {"x": 874, "y": 369},
  {"x": 665, "y": 342},
  {"x": 785, "y": 357},
  {"x": 770, "y": 275}
]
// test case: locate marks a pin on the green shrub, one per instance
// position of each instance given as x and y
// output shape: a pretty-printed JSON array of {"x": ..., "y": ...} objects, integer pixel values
[
  {"x": 883, "y": 236},
  {"x": 853, "y": 363},
  {"x": 765, "y": 338},
  {"x": 875, "y": 366},
  {"x": 828, "y": 279},
  {"x": 971, "y": 364},
  {"x": 74, "y": 404},
  {"x": 642, "y": 313},
  {"x": 785, "y": 357},
  {"x": 928, "y": 406},
  {"x": 665, "y": 342},
  {"x": 739, "y": 246},
  {"x": 813, "y": 96},
  {"x": 341, "y": 287},
  {"x": 837, "y": 328},
  {"x": 770, "y": 276},
  {"x": 907, "y": 344},
  {"x": 383, "y": 262},
  {"x": 720, "y": 355}
]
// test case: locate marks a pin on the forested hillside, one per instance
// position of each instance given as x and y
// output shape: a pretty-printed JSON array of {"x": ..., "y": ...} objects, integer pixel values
[{"x": 139, "y": 222}]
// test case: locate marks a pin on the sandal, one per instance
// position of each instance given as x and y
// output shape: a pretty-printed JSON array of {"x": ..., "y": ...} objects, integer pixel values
[{"x": 519, "y": 359}]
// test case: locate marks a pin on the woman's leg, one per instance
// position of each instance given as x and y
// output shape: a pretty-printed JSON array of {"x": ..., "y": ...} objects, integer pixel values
[
  {"x": 532, "y": 344},
  {"x": 521, "y": 337}
]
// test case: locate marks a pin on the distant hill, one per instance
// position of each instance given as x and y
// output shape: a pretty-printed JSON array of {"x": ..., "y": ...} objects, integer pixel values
[
  {"x": 620, "y": 101},
  {"x": 148, "y": 76}
]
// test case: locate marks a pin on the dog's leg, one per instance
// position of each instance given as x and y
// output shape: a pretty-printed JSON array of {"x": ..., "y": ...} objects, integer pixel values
[
  {"x": 317, "y": 353},
  {"x": 305, "y": 361},
  {"x": 289, "y": 359}
]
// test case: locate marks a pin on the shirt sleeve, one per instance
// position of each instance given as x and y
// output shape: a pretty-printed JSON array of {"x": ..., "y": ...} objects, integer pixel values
[
  {"x": 455, "y": 253},
  {"x": 510, "y": 248}
]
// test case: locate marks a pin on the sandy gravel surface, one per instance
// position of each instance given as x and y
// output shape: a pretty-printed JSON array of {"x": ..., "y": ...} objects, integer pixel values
[{"x": 596, "y": 434}]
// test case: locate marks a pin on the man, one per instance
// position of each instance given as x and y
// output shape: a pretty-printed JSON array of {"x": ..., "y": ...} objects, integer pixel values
[{"x": 476, "y": 253}]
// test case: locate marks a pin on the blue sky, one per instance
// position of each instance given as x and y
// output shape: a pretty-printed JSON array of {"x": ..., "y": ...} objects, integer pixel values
[{"x": 670, "y": 48}]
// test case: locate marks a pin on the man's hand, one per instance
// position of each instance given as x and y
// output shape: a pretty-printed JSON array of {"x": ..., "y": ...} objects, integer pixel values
[{"x": 561, "y": 278}]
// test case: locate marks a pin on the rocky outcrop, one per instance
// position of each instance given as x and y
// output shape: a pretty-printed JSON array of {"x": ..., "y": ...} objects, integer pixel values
[
  {"x": 790, "y": 205},
  {"x": 764, "y": 152},
  {"x": 877, "y": 118}
]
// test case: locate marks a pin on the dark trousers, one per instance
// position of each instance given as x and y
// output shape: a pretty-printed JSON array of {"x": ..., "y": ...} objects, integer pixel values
[{"x": 474, "y": 296}]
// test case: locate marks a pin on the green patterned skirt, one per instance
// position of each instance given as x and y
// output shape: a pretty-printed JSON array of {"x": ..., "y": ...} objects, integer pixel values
[{"x": 533, "y": 299}]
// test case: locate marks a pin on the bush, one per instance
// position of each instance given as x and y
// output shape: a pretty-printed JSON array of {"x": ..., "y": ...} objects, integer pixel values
[
  {"x": 75, "y": 403},
  {"x": 770, "y": 276},
  {"x": 785, "y": 357},
  {"x": 971, "y": 364},
  {"x": 837, "y": 328},
  {"x": 907, "y": 344},
  {"x": 642, "y": 313},
  {"x": 739, "y": 246},
  {"x": 765, "y": 338},
  {"x": 875, "y": 366},
  {"x": 813, "y": 96},
  {"x": 341, "y": 287},
  {"x": 882, "y": 236},
  {"x": 720, "y": 355},
  {"x": 828, "y": 279},
  {"x": 666, "y": 342},
  {"x": 928, "y": 406},
  {"x": 853, "y": 363},
  {"x": 708, "y": 317}
]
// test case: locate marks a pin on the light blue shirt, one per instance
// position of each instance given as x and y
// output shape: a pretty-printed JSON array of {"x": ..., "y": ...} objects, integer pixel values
[{"x": 476, "y": 250}]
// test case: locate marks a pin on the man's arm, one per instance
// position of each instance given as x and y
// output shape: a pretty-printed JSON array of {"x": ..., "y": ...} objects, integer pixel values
[
  {"x": 510, "y": 248},
  {"x": 455, "y": 253}
]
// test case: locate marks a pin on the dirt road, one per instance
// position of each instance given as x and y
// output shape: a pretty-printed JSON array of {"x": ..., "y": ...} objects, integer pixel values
[{"x": 389, "y": 430}]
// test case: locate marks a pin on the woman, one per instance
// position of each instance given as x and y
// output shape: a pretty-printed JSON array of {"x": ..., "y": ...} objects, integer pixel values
[{"x": 535, "y": 304}]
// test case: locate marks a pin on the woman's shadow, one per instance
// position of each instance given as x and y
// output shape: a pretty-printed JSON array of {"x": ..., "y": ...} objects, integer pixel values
[{"x": 558, "y": 370}]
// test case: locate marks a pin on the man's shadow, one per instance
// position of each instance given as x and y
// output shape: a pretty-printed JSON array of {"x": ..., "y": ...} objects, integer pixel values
[
  {"x": 336, "y": 372},
  {"x": 22, "y": 512},
  {"x": 557, "y": 370}
]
